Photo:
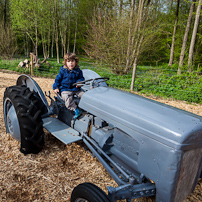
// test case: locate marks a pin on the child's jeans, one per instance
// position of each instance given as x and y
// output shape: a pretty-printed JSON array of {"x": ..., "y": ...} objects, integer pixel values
[{"x": 68, "y": 97}]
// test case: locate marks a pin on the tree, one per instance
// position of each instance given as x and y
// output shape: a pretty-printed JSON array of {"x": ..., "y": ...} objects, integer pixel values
[
  {"x": 56, "y": 30},
  {"x": 8, "y": 41},
  {"x": 193, "y": 39},
  {"x": 174, "y": 33},
  {"x": 140, "y": 26},
  {"x": 129, "y": 34},
  {"x": 29, "y": 17},
  {"x": 185, "y": 38}
]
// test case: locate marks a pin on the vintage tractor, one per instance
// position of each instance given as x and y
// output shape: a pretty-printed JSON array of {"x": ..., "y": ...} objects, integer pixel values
[{"x": 148, "y": 148}]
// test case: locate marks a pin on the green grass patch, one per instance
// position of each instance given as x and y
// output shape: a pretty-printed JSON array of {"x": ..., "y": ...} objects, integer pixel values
[{"x": 159, "y": 80}]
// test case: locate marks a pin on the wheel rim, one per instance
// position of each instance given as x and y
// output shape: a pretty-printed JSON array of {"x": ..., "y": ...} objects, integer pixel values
[
  {"x": 81, "y": 200},
  {"x": 11, "y": 119}
]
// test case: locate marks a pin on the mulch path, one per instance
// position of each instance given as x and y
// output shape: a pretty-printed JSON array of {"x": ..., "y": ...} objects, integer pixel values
[{"x": 52, "y": 174}]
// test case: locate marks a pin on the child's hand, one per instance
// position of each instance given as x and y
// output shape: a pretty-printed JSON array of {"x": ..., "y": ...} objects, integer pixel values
[
  {"x": 56, "y": 91},
  {"x": 78, "y": 86}
]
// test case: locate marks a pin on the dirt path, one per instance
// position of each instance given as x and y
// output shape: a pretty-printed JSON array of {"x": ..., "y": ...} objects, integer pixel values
[{"x": 52, "y": 174}]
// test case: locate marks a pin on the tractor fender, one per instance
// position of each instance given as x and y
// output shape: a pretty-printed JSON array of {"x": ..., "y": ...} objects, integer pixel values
[{"x": 33, "y": 86}]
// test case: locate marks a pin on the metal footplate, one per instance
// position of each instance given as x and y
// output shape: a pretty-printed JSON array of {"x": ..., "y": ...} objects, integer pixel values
[{"x": 60, "y": 130}]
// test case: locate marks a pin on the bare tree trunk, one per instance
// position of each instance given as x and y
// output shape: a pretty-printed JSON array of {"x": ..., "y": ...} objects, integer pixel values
[
  {"x": 44, "y": 45},
  {"x": 5, "y": 14},
  {"x": 135, "y": 63},
  {"x": 26, "y": 46},
  {"x": 75, "y": 34},
  {"x": 65, "y": 41},
  {"x": 174, "y": 33},
  {"x": 49, "y": 40},
  {"x": 57, "y": 45},
  {"x": 69, "y": 28},
  {"x": 133, "y": 74},
  {"x": 53, "y": 39},
  {"x": 56, "y": 33},
  {"x": 184, "y": 44},
  {"x": 197, "y": 48},
  {"x": 193, "y": 39},
  {"x": 129, "y": 34},
  {"x": 63, "y": 33},
  {"x": 68, "y": 40},
  {"x": 139, "y": 40},
  {"x": 36, "y": 44},
  {"x": 52, "y": 44}
]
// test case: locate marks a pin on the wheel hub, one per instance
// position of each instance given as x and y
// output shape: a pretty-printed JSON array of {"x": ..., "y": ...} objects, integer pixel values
[{"x": 11, "y": 120}]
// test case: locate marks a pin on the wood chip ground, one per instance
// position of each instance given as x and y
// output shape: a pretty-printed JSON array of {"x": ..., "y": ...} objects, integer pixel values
[{"x": 52, "y": 174}]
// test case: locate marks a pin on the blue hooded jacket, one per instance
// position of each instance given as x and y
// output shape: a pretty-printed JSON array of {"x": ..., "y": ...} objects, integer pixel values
[{"x": 66, "y": 78}]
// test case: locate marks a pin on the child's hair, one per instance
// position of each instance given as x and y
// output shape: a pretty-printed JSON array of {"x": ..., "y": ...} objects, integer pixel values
[{"x": 70, "y": 56}]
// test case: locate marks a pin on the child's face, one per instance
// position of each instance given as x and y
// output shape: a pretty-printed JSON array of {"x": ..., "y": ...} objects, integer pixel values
[{"x": 71, "y": 64}]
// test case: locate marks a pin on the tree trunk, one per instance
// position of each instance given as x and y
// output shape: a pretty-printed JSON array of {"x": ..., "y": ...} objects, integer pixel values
[
  {"x": 142, "y": 13},
  {"x": 75, "y": 34},
  {"x": 26, "y": 45},
  {"x": 68, "y": 40},
  {"x": 198, "y": 48},
  {"x": 36, "y": 44},
  {"x": 69, "y": 27},
  {"x": 129, "y": 35},
  {"x": 133, "y": 74},
  {"x": 57, "y": 45},
  {"x": 49, "y": 41},
  {"x": 52, "y": 44},
  {"x": 69, "y": 34},
  {"x": 44, "y": 46},
  {"x": 135, "y": 62},
  {"x": 5, "y": 14},
  {"x": 185, "y": 38},
  {"x": 65, "y": 41},
  {"x": 193, "y": 39},
  {"x": 63, "y": 33},
  {"x": 56, "y": 33},
  {"x": 138, "y": 22},
  {"x": 174, "y": 33},
  {"x": 53, "y": 39}
]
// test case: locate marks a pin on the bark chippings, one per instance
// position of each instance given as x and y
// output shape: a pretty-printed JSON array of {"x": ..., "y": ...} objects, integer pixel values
[{"x": 52, "y": 174}]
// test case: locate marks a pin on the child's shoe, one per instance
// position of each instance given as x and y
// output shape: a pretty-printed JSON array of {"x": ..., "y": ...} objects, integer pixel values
[{"x": 77, "y": 112}]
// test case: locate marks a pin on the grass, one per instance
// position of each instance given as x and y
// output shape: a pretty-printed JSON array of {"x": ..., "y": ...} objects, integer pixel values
[{"x": 159, "y": 80}]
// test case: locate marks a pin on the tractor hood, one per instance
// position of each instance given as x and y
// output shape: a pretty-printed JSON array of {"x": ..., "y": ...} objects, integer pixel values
[{"x": 129, "y": 112}]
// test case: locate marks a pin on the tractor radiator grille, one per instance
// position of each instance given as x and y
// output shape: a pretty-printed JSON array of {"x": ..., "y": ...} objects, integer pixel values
[{"x": 190, "y": 168}]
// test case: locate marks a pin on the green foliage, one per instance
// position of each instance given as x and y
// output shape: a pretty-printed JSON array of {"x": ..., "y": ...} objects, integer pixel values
[
  {"x": 8, "y": 42},
  {"x": 159, "y": 80},
  {"x": 185, "y": 87}
]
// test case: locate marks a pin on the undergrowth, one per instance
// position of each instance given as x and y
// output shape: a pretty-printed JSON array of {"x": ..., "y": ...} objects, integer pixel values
[{"x": 160, "y": 81}]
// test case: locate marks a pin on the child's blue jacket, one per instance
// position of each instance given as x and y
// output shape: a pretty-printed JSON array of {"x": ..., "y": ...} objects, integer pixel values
[{"x": 66, "y": 78}]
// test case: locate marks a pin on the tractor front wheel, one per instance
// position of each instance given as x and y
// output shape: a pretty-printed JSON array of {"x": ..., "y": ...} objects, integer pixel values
[
  {"x": 88, "y": 192},
  {"x": 22, "y": 116}
]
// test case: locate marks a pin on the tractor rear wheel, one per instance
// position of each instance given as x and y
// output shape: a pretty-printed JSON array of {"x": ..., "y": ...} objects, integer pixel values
[
  {"x": 22, "y": 115},
  {"x": 88, "y": 192}
]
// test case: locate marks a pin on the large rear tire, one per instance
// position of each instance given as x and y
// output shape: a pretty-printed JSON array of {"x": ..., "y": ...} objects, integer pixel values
[
  {"x": 88, "y": 192},
  {"x": 22, "y": 115}
]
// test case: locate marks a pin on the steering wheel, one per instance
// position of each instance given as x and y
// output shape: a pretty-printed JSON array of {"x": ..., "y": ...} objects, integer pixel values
[{"x": 91, "y": 81}]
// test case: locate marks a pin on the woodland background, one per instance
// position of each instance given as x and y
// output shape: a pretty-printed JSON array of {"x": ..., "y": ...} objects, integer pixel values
[{"x": 152, "y": 46}]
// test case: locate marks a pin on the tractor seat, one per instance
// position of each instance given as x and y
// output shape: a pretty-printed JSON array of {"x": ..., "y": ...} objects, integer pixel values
[{"x": 76, "y": 98}]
